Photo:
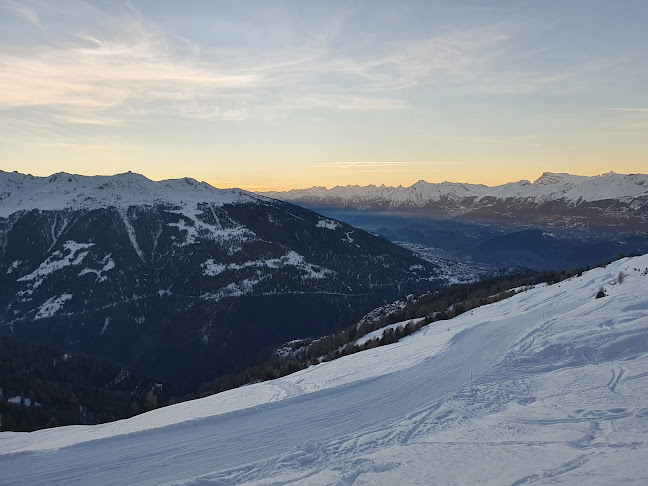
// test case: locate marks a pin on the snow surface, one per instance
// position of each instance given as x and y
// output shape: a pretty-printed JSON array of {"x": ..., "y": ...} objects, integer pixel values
[
  {"x": 328, "y": 223},
  {"x": 292, "y": 258},
  {"x": 378, "y": 333},
  {"x": 109, "y": 264},
  {"x": 51, "y": 306},
  {"x": 547, "y": 387},
  {"x": 26, "y": 402},
  {"x": 105, "y": 326},
  {"x": 20, "y": 192},
  {"x": 13, "y": 266},
  {"x": 57, "y": 260},
  {"x": 307, "y": 271},
  {"x": 216, "y": 232},
  {"x": 548, "y": 187}
]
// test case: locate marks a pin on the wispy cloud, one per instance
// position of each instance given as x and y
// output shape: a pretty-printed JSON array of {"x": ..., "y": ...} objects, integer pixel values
[
  {"x": 530, "y": 139},
  {"x": 629, "y": 109},
  {"x": 73, "y": 146},
  {"x": 22, "y": 10},
  {"x": 105, "y": 75},
  {"x": 495, "y": 140},
  {"x": 630, "y": 121},
  {"x": 383, "y": 166},
  {"x": 132, "y": 68},
  {"x": 312, "y": 100},
  {"x": 88, "y": 119},
  {"x": 374, "y": 171},
  {"x": 95, "y": 79},
  {"x": 255, "y": 188},
  {"x": 557, "y": 117}
]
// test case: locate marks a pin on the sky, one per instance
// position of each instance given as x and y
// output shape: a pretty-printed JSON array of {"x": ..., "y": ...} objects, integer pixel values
[{"x": 273, "y": 95}]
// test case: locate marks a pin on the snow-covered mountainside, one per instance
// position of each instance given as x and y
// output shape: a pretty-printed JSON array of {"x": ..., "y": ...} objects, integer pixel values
[
  {"x": 547, "y": 387},
  {"x": 607, "y": 198},
  {"x": 21, "y": 192},
  {"x": 548, "y": 187},
  {"x": 178, "y": 279}
]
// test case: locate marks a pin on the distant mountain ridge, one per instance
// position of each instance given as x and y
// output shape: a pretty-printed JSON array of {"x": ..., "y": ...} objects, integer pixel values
[
  {"x": 549, "y": 186},
  {"x": 180, "y": 280},
  {"x": 603, "y": 199}
]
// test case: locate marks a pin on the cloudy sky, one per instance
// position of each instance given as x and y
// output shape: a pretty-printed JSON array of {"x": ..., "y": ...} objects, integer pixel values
[{"x": 274, "y": 94}]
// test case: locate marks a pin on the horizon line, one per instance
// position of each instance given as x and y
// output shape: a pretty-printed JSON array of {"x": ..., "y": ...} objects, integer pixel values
[{"x": 263, "y": 188}]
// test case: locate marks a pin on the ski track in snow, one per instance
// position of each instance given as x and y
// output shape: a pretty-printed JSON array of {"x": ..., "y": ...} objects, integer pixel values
[{"x": 558, "y": 396}]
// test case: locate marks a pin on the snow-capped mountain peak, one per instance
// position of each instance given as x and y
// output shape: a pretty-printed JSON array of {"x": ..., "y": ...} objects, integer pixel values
[
  {"x": 549, "y": 186},
  {"x": 552, "y": 178},
  {"x": 21, "y": 192},
  {"x": 605, "y": 199}
]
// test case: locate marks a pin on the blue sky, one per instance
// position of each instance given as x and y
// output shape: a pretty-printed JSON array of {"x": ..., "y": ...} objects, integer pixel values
[{"x": 273, "y": 95}]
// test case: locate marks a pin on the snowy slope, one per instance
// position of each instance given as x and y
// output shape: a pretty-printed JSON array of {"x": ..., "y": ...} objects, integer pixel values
[
  {"x": 69, "y": 191},
  {"x": 558, "y": 396},
  {"x": 573, "y": 189}
]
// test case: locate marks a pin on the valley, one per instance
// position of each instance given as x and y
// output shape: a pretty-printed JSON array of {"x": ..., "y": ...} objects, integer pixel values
[{"x": 558, "y": 222}]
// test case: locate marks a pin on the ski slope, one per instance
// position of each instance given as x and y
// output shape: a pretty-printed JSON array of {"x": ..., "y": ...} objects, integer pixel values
[{"x": 558, "y": 396}]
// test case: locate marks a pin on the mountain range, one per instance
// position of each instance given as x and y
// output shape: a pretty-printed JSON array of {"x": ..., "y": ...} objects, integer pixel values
[
  {"x": 179, "y": 280},
  {"x": 555, "y": 199}
]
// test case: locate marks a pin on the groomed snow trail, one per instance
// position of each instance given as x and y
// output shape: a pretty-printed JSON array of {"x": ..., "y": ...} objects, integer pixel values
[{"x": 558, "y": 395}]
